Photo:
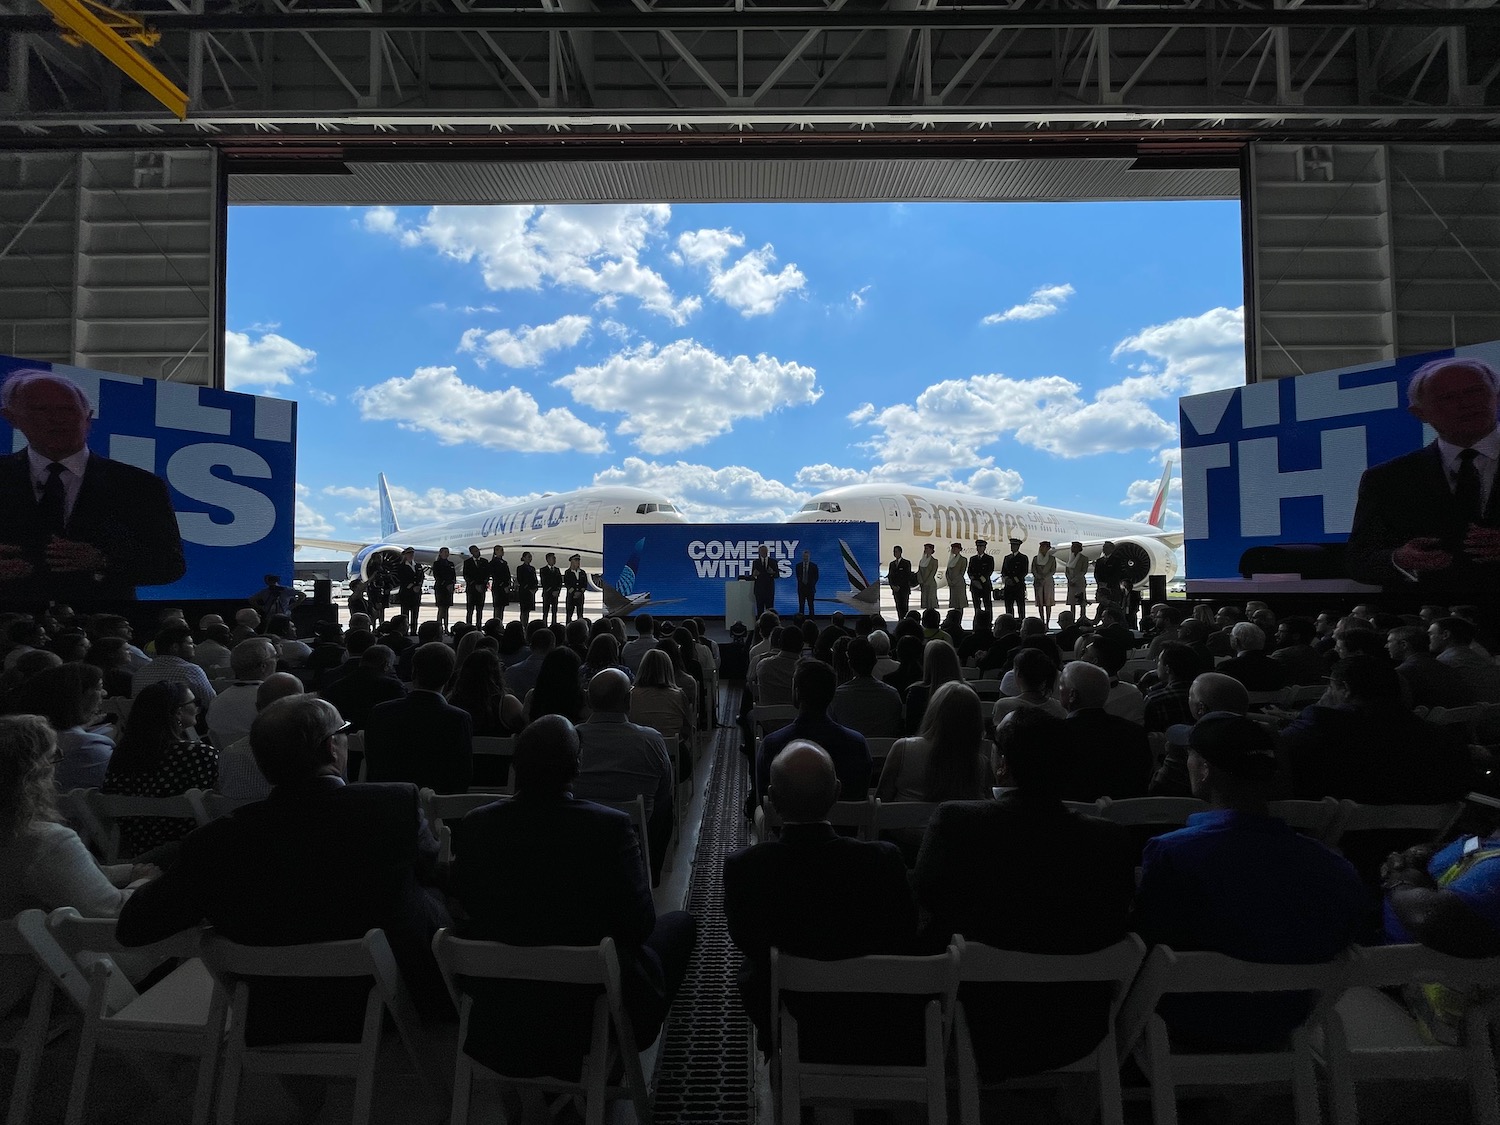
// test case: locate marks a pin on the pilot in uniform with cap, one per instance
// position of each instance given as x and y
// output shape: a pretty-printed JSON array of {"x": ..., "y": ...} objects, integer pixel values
[
  {"x": 575, "y": 582},
  {"x": 981, "y": 568}
]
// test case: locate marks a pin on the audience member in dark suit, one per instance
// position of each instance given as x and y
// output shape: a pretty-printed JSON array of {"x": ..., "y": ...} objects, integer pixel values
[
  {"x": 1361, "y": 743},
  {"x": 1025, "y": 873},
  {"x": 1107, "y": 756},
  {"x": 317, "y": 860},
  {"x": 1295, "y": 653},
  {"x": 422, "y": 738},
  {"x": 813, "y": 893},
  {"x": 1110, "y": 627},
  {"x": 78, "y": 528},
  {"x": 546, "y": 869},
  {"x": 1249, "y": 663},
  {"x": 812, "y": 690},
  {"x": 372, "y": 683},
  {"x": 1427, "y": 680}
]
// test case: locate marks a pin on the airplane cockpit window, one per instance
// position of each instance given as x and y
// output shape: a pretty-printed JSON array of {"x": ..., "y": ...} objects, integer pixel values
[
  {"x": 666, "y": 508},
  {"x": 644, "y": 509},
  {"x": 821, "y": 506}
]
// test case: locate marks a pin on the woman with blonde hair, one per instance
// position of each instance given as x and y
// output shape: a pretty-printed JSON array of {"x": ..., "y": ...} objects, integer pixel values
[
  {"x": 939, "y": 666},
  {"x": 655, "y": 699},
  {"x": 946, "y": 760},
  {"x": 43, "y": 863}
]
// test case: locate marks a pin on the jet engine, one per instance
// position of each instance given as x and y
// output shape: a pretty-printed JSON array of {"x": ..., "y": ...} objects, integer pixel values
[
  {"x": 376, "y": 564},
  {"x": 1146, "y": 557}
]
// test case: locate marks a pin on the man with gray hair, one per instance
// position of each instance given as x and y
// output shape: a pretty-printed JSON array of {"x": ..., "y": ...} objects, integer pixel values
[
  {"x": 1248, "y": 661},
  {"x": 620, "y": 760},
  {"x": 1427, "y": 524},
  {"x": 1107, "y": 756},
  {"x": 240, "y": 778},
  {"x": 1210, "y": 691},
  {"x": 79, "y": 528},
  {"x": 233, "y": 709},
  {"x": 320, "y": 861}
]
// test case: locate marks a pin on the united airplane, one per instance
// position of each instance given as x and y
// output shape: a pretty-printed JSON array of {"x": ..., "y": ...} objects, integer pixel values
[
  {"x": 563, "y": 522},
  {"x": 910, "y": 516}
]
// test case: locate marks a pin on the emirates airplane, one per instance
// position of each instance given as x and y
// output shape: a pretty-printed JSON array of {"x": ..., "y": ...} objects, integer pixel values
[
  {"x": 909, "y": 516},
  {"x": 562, "y": 522}
]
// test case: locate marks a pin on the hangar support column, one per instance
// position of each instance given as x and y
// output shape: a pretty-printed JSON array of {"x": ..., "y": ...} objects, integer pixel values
[
  {"x": 113, "y": 259},
  {"x": 1363, "y": 253}
]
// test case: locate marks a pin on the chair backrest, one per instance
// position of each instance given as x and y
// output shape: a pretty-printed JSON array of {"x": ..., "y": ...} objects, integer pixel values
[
  {"x": 1322, "y": 820},
  {"x": 1150, "y": 810},
  {"x": 1119, "y": 962},
  {"x": 859, "y": 815},
  {"x": 1436, "y": 819},
  {"x": 352, "y": 957},
  {"x": 970, "y": 671},
  {"x": 1389, "y": 966},
  {"x": 214, "y": 805},
  {"x": 107, "y": 808},
  {"x": 493, "y": 744},
  {"x": 1259, "y": 699},
  {"x": 891, "y": 815},
  {"x": 897, "y": 975},
  {"x": 768, "y": 718},
  {"x": 116, "y": 705},
  {"x": 635, "y": 808},
  {"x": 1133, "y": 668},
  {"x": 455, "y": 806},
  {"x": 1302, "y": 694},
  {"x": 33, "y": 936},
  {"x": 86, "y": 940},
  {"x": 986, "y": 689},
  {"x": 1455, "y": 716},
  {"x": 880, "y": 747}
]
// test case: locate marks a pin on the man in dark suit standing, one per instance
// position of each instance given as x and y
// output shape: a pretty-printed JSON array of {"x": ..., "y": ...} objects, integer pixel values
[
  {"x": 551, "y": 579},
  {"x": 575, "y": 583},
  {"x": 1427, "y": 525},
  {"x": 317, "y": 860},
  {"x": 422, "y": 738},
  {"x": 546, "y": 869},
  {"x": 526, "y": 587},
  {"x": 764, "y": 571},
  {"x": 476, "y": 572},
  {"x": 807, "y": 585},
  {"x": 500, "y": 582},
  {"x": 77, "y": 528},
  {"x": 1013, "y": 571},
  {"x": 444, "y": 579},
  {"x": 900, "y": 579},
  {"x": 409, "y": 575},
  {"x": 813, "y": 893},
  {"x": 981, "y": 567}
]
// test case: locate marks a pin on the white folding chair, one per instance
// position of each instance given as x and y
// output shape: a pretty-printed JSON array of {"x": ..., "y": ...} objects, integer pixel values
[
  {"x": 890, "y": 816},
  {"x": 26, "y": 1035},
  {"x": 859, "y": 815},
  {"x": 182, "y": 1014},
  {"x": 1150, "y": 811},
  {"x": 108, "y": 808},
  {"x": 1433, "y": 819},
  {"x": 1371, "y": 1037},
  {"x": 1167, "y": 972},
  {"x": 455, "y": 806},
  {"x": 987, "y": 690},
  {"x": 795, "y": 1080},
  {"x": 1116, "y": 965},
  {"x": 611, "y": 1042},
  {"x": 235, "y": 965},
  {"x": 1322, "y": 820},
  {"x": 772, "y": 717},
  {"x": 212, "y": 805}
]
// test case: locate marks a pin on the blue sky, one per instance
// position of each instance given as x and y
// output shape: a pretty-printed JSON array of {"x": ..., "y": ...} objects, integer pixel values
[{"x": 737, "y": 358}]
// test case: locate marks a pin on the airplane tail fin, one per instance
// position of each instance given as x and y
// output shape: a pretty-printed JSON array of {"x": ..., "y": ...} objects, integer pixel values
[
  {"x": 614, "y": 601},
  {"x": 1159, "y": 505},
  {"x": 852, "y": 570},
  {"x": 389, "y": 525},
  {"x": 861, "y": 595}
]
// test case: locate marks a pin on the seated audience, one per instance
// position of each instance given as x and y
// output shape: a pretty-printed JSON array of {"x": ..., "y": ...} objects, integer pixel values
[
  {"x": 1248, "y": 662},
  {"x": 884, "y": 663},
  {"x": 1240, "y": 882},
  {"x": 480, "y": 689},
  {"x": 643, "y": 642},
  {"x": 939, "y": 667},
  {"x": 213, "y": 651},
  {"x": 864, "y": 703},
  {"x": 813, "y": 893},
  {"x": 546, "y": 868},
  {"x": 908, "y": 662},
  {"x": 374, "y": 682},
  {"x": 1211, "y": 691},
  {"x": 1453, "y": 644},
  {"x": 159, "y": 755},
  {"x": 771, "y": 679},
  {"x": 318, "y": 861},
  {"x": 68, "y": 697},
  {"x": 946, "y": 761},
  {"x": 421, "y": 738},
  {"x": 559, "y": 690},
  {"x": 521, "y": 677},
  {"x": 1124, "y": 700},
  {"x": 111, "y": 655},
  {"x": 356, "y": 643},
  {"x": 657, "y": 702},
  {"x": 1025, "y": 873},
  {"x": 1104, "y": 755},
  {"x": 233, "y": 709},
  {"x": 1361, "y": 743},
  {"x": 813, "y": 692},
  {"x": 1300, "y": 662},
  {"x": 1034, "y": 677},
  {"x": 240, "y": 778},
  {"x": 1167, "y": 704}
]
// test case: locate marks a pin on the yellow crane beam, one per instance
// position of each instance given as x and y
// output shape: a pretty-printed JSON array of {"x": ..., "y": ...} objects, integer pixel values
[{"x": 111, "y": 33}]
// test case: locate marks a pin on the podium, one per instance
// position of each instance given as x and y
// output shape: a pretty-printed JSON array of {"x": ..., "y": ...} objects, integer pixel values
[{"x": 739, "y": 604}]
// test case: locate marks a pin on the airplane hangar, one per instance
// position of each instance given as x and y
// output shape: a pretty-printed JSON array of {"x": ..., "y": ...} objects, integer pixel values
[{"x": 1361, "y": 138}]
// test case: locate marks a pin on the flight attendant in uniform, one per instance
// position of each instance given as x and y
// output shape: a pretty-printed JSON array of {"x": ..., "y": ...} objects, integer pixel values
[
  {"x": 927, "y": 568},
  {"x": 575, "y": 582},
  {"x": 526, "y": 587},
  {"x": 500, "y": 583},
  {"x": 1044, "y": 580},
  {"x": 444, "y": 581},
  {"x": 1076, "y": 568},
  {"x": 552, "y": 583},
  {"x": 956, "y": 573}
]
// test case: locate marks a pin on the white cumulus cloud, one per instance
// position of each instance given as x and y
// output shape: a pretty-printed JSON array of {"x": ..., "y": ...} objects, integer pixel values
[
  {"x": 263, "y": 364},
  {"x": 528, "y": 345},
  {"x": 1045, "y": 301},
  {"x": 707, "y": 494},
  {"x": 596, "y": 248},
  {"x": 824, "y": 476},
  {"x": 1192, "y": 354},
  {"x": 746, "y": 284},
  {"x": 992, "y": 483},
  {"x": 309, "y": 521},
  {"x": 413, "y": 508},
  {"x": 685, "y": 394},
  {"x": 436, "y": 400}
]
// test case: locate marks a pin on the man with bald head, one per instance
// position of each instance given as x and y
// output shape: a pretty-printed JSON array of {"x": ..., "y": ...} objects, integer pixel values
[
  {"x": 620, "y": 760},
  {"x": 547, "y": 868},
  {"x": 813, "y": 893},
  {"x": 78, "y": 527},
  {"x": 1210, "y": 691}
]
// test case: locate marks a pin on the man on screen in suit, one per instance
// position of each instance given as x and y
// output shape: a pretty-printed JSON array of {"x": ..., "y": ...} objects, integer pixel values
[
  {"x": 1427, "y": 524},
  {"x": 807, "y": 585},
  {"x": 77, "y": 528}
]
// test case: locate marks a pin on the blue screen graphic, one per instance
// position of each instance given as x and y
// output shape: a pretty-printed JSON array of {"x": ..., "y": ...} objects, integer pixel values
[
  {"x": 229, "y": 461},
  {"x": 685, "y": 566},
  {"x": 1279, "y": 462}
]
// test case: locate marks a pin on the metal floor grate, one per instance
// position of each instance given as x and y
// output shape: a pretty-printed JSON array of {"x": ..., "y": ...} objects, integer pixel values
[{"x": 705, "y": 1069}]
